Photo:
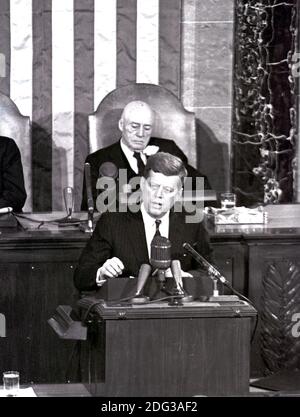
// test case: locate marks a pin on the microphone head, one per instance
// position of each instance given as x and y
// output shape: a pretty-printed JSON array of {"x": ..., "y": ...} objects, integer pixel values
[
  {"x": 160, "y": 253},
  {"x": 108, "y": 169}
]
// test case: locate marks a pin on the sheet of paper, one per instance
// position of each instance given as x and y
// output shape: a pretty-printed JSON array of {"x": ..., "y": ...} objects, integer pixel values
[{"x": 23, "y": 392}]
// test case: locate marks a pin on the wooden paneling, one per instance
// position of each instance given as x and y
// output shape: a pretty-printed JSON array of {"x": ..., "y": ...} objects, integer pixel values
[
  {"x": 174, "y": 354},
  {"x": 35, "y": 277},
  {"x": 263, "y": 263},
  {"x": 274, "y": 287}
]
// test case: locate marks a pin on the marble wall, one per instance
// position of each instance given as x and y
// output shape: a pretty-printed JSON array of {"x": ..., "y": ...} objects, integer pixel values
[{"x": 206, "y": 88}]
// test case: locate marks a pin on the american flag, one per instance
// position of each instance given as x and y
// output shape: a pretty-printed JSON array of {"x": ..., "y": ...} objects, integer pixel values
[{"x": 63, "y": 56}]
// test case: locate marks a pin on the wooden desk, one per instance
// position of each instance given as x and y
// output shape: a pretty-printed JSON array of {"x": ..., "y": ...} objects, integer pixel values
[
  {"x": 36, "y": 275},
  {"x": 168, "y": 351}
]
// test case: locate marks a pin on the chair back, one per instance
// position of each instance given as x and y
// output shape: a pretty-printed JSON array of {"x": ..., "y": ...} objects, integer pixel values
[{"x": 172, "y": 120}]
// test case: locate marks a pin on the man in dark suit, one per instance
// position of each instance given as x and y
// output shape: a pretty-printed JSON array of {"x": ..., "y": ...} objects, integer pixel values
[
  {"x": 121, "y": 241},
  {"x": 132, "y": 150},
  {"x": 12, "y": 190}
]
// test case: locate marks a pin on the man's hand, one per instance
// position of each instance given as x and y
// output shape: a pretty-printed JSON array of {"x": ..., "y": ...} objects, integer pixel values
[{"x": 110, "y": 269}]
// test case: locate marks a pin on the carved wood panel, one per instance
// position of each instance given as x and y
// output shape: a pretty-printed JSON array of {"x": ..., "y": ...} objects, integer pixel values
[
  {"x": 280, "y": 301},
  {"x": 274, "y": 287}
]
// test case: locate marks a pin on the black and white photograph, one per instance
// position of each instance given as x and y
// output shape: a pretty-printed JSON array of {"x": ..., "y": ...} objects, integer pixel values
[{"x": 149, "y": 202}]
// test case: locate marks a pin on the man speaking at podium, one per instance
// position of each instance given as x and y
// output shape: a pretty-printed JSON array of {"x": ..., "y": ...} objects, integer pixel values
[{"x": 121, "y": 241}]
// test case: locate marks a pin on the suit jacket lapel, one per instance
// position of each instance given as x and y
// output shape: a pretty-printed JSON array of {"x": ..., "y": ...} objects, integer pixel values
[
  {"x": 137, "y": 236},
  {"x": 176, "y": 232},
  {"x": 118, "y": 157}
]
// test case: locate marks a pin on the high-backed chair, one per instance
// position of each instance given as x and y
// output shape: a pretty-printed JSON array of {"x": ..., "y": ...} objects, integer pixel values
[
  {"x": 16, "y": 126},
  {"x": 173, "y": 121}
]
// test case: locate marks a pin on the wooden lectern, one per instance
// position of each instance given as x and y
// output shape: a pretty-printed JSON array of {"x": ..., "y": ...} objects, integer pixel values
[{"x": 198, "y": 348}]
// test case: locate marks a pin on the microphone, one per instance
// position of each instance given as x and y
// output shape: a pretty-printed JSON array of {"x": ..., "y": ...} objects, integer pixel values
[
  {"x": 160, "y": 258},
  {"x": 89, "y": 226},
  {"x": 68, "y": 194},
  {"x": 179, "y": 293},
  {"x": 89, "y": 194},
  {"x": 144, "y": 273},
  {"x": 216, "y": 275},
  {"x": 176, "y": 272},
  {"x": 87, "y": 174},
  {"x": 212, "y": 271}
]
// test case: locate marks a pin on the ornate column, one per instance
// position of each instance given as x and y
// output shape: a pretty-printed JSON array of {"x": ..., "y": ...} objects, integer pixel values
[{"x": 264, "y": 140}]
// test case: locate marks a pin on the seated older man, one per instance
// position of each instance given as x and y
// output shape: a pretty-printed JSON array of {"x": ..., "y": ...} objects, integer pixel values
[
  {"x": 121, "y": 241},
  {"x": 135, "y": 145}
]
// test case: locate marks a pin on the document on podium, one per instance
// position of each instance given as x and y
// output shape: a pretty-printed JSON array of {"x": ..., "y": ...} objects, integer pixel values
[{"x": 23, "y": 392}]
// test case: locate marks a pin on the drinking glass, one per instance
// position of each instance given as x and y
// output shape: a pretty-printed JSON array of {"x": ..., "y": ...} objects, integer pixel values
[
  {"x": 228, "y": 201},
  {"x": 11, "y": 383}
]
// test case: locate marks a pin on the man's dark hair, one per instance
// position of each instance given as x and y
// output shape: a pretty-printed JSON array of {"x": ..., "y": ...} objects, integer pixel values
[{"x": 166, "y": 164}]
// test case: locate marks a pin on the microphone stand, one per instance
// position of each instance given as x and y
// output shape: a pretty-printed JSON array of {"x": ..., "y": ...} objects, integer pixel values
[
  {"x": 68, "y": 193},
  {"x": 178, "y": 292},
  {"x": 216, "y": 296},
  {"x": 139, "y": 297},
  {"x": 160, "y": 281},
  {"x": 177, "y": 299},
  {"x": 215, "y": 275},
  {"x": 90, "y": 222},
  {"x": 89, "y": 226}
]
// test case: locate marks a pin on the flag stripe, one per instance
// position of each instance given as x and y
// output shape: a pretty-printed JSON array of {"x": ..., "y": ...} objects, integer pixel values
[
  {"x": 42, "y": 105},
  {"x": 21, "y": 55},
  {"x": 84, "y": 85},
  {"x": 62, "y": 98},
  {"x": 105, "y": 50},
  {"x": 62, "y": 58},
  {"x": 147, "y": 41},
  {"x": 21, "y": 76},
  {"x": 126, "y": 42},
  {"x": 5, "y": 47},
  {"x": 170, "y": 45}
]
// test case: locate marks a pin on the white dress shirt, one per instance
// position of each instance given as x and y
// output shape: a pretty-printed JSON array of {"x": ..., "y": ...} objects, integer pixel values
[
  {"x": 150, "y": 226},
  {"x": 130, "y": 158},
  {"x": 150, "y": 229}
]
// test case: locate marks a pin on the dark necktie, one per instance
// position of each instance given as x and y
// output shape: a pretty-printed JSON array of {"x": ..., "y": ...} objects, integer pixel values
[
  {"x": 140, "y": 163},
  {"x": 157, "y": 224}
]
